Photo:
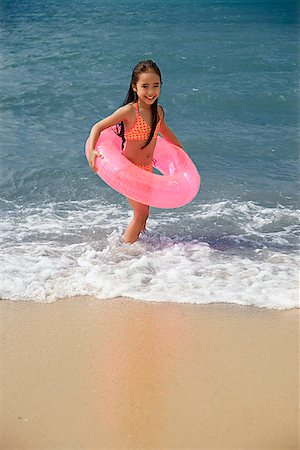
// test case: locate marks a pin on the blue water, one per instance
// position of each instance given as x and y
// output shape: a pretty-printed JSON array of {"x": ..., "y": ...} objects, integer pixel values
[{"x": 230, "y": 93}]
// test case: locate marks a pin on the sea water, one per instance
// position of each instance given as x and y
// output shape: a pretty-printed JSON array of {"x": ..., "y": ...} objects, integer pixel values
[{"x": 231, "y": 95}]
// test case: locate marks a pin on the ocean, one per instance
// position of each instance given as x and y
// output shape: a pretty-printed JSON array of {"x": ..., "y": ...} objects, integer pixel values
[{"x": 230, "y": 93}]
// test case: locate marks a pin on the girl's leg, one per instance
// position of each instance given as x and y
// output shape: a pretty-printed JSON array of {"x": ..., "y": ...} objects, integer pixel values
[{"x": 138, "y": 223}]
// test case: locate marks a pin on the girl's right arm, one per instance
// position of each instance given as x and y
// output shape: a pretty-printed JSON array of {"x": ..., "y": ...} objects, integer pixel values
[{"x": 120, "y": 115}]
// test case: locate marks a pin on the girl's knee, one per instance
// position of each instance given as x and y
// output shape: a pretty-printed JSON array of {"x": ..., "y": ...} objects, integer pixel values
[
  {"x": 142, "y": 214},
  {"x": 140, "y": 218}
]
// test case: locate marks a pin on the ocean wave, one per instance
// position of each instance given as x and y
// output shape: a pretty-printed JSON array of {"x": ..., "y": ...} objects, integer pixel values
[{"x": 76, "y": 248}]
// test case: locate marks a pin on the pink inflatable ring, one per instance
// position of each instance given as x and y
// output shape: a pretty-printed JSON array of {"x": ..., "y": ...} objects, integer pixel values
[{"x": 178, "y": 186}]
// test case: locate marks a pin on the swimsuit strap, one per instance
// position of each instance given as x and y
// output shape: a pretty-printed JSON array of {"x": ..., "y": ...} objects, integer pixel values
[{"x": 137, "y": 113}]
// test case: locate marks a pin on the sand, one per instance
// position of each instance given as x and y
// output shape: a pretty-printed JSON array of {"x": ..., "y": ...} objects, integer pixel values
[{"x": 83, "y": 373}]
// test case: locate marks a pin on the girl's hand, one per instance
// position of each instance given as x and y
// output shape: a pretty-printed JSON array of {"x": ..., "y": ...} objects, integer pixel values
[{"x": 92, "y": 158}]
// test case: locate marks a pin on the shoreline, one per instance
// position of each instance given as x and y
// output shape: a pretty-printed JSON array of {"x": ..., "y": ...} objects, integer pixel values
[
  {"x": 121, "y": 373},
  {"x": 164, "y": 302}
]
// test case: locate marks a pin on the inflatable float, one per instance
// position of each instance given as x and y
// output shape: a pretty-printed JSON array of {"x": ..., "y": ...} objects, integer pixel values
[{"x": 177, "y": 186}]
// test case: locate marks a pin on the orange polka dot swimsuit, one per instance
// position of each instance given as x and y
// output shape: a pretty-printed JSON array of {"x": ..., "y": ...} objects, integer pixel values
[{"x": 140, "y": 130}]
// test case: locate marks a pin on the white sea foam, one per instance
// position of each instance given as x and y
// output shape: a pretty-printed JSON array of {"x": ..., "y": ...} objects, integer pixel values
[{"x": 76, "y": 249}]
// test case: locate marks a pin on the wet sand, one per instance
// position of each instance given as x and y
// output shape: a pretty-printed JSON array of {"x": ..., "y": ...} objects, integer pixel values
[{"x": 83, "y": 373}]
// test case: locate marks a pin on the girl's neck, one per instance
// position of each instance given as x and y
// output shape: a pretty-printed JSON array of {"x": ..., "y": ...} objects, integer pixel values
[{"x": 143, "y": 105}]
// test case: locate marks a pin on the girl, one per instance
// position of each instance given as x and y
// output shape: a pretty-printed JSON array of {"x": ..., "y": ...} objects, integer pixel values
[{"x": 138, "y": 121}]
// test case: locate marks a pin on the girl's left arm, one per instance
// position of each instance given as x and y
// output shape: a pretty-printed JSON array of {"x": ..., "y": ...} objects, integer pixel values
[{"x": 166, "y": 132}]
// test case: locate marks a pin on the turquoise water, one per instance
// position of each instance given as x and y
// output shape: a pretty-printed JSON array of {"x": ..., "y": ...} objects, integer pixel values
[{"x": 231, "y": 94}]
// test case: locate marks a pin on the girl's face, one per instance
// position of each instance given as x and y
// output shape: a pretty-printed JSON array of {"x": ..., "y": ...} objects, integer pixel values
[{"x": 148, "y": 87}]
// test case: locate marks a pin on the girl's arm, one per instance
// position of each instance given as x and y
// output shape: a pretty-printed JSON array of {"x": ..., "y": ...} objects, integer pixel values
[
  {"x": 166, "y": 132},
  {"x": 120, "y": 115}
]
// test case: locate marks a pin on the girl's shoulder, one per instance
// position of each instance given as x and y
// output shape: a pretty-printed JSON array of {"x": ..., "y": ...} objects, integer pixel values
[
  {"x": 128, "y": 109},
  {"x": 125, "y": 112}
]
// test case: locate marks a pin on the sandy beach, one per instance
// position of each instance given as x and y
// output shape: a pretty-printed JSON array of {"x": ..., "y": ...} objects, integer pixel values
[{"x": 83, "y": 373}]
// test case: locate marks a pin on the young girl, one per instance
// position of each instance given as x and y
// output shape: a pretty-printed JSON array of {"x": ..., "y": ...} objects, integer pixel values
[{"x": 138, "y": 121}]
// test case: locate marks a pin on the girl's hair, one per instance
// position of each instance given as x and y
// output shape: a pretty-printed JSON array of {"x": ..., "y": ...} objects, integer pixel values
[{"x": 141, "y": 67}]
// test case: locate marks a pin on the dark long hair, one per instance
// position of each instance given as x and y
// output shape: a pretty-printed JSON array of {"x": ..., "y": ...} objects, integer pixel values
[{"x": 141, "y": 67}]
